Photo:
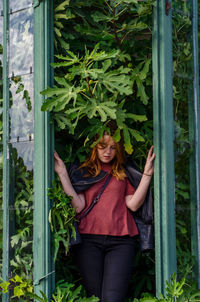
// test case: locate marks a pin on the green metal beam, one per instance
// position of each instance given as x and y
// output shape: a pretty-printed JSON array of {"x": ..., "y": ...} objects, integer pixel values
[
  {"x": 6, "y": 216},
  {"x": 196, "y": 117},
  {"x": 165, "y": 235},
  {"x": 43, "y": 147}
]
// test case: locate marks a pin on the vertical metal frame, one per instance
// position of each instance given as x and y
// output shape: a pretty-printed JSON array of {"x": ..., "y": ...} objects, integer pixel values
[
  {"x": 165, "y": 235},
  {"x": 6, "y": 218},
  {"x": 43, "y": 148},
  {"x": 196, "y": 118}
]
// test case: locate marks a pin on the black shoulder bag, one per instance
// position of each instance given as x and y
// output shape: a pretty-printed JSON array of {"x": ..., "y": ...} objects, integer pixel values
[{"x": 77, "y": 240}]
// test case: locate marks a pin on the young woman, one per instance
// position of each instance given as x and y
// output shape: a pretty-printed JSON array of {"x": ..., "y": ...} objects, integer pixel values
[{"x": 106, "y": 255}]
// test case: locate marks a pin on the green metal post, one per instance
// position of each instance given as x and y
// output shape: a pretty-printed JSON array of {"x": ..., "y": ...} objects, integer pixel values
[
  {"x": 43, "y": 55},
  {"x": 6, "y": 235},
  {"x": 165, "y": 237},
  {"x": 196, "y": 120}
]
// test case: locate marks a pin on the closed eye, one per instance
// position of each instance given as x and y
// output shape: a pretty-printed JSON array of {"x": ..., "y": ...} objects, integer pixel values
[{"x": 101, "y": 146}]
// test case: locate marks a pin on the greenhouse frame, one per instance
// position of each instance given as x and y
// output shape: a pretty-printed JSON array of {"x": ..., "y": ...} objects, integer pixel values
[{"x": 27, "y": 136}]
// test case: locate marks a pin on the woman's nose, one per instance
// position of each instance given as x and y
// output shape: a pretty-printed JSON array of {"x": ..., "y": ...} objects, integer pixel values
[{"x": 108, "y": 149}]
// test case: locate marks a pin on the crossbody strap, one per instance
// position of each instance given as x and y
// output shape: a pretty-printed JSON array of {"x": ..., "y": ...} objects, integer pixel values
[{"x": 96, "y": 199}]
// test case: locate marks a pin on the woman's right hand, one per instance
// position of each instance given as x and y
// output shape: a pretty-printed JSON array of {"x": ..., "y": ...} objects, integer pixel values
[{"x": 59, "y": 165}]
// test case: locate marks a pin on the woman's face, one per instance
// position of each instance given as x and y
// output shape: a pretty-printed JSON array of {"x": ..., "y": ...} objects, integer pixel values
[{"x": 106, "y": 149}]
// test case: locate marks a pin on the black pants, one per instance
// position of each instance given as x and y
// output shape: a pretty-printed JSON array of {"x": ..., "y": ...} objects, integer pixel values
[{"x": 106, "y": 263}]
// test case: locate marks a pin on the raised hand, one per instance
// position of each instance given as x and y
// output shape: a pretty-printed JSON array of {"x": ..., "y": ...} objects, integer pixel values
[
  {"x": 149, "y": 166},
  {"x": 59, "y": 165}
]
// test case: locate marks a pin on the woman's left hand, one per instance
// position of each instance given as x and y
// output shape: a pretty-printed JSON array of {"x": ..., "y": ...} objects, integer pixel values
[{"x": 149, "y": 166}]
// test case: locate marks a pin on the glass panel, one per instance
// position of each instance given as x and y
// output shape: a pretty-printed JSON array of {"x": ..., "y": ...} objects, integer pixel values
[
  {"x": 23, "y": 152},
  {"x": 183, "y": 178},
  {"x": 21, "y": 210},
  {"x": 182, "y": 47},
  {"x": 1, "y": 5},
  {"x": 21, "y": 108},
  {"x": 21, "y": 42},
  {"x": 16, "y": 4},
  {"x": 184, "y": 147}
]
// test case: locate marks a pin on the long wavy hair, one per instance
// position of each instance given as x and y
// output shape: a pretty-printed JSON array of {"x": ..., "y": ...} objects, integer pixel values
[{"x": 93, "y": 163}]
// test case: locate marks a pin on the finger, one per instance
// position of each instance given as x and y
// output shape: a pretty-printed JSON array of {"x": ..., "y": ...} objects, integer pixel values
[
  {"x": 56, "y": 155},
  {"x": 151, "y": 149},
  {"x": 150, "y": 152},
  {"x": 152, "y": 158}
]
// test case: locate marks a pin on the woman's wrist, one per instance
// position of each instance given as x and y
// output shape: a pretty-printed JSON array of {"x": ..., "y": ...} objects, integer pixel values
[{"x": 147, "y": 174}]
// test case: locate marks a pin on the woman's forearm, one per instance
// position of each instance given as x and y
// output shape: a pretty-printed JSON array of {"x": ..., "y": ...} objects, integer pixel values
[
  {"x": 135, "y": 201},
  {"x": 78, "y": 201}
]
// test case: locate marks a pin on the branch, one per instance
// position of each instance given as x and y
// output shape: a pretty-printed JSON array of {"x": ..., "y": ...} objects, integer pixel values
[{"x": 115, "y": 31}]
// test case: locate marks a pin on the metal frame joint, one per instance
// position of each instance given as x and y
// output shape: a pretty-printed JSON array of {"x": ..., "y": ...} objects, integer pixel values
[
  {"x": 36, "y": 3},
  {"x": 37, "y": 282}
]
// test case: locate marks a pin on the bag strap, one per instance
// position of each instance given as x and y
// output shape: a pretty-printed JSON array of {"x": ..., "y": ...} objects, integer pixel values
[{"x": 96, "y": 199}]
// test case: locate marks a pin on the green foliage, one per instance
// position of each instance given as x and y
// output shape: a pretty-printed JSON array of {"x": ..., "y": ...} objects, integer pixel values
[
  {"x": 61, "y": 218},
  {"x": 21, "y": 240},
  {"x": 184, "y": 143},
  {"x": 65, "y": 292},
  {"x": 92, "y": 89},
  {"x": 98, "y": 73},
  {"x": 20, "y": 286},
  {"x": 174, "y": 288},
  {"x": 21, "y": 89},
  {"x": 176, "y": 291}
]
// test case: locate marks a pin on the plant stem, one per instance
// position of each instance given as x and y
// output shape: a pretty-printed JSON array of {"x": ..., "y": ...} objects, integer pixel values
[
  {"x": 94, "y": 87},
  {"x": 89, "y": 88},
  {"x": 115, "y": 31}
]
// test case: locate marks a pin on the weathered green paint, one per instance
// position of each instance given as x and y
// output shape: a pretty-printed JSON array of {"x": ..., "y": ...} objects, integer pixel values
[
  {"x": 165, "y": 238},
  {"x": 43, "y": 48},
  {"x": 196, "y": 117},
  {"x": 6, "y": 237}
]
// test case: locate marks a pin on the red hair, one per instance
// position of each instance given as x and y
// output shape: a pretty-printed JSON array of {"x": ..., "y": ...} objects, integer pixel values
[{"x": 93, "y": 163}]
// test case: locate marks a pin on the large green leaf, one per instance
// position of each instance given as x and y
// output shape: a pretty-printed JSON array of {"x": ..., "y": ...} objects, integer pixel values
[
  {"x": 136, "y": 117},
  {"x": 60, "y": 97},
  {"x": 117, "y": 81},
  {"x": 127, "y": 140}
]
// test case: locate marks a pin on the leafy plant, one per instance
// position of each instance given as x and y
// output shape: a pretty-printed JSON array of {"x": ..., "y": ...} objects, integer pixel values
[
  {"x": 19, "y": 286},
  {"x": 65, "y": 292},
  {"x": 176, "y": 291},
  {"x": 102, "y": 77},
  {"x": 61, "y": 218},
  {"x": 21, "y": 239},
  {"x": 94, "y": 89}
]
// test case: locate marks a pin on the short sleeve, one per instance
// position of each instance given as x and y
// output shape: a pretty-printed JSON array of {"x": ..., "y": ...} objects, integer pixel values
[{"x": 129, "y": 188}]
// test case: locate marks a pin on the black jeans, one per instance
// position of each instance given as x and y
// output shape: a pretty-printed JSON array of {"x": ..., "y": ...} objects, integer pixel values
[{"x": 105, "y": 263}]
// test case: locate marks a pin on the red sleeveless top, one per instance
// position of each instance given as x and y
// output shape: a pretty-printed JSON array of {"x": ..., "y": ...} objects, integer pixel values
[{"x": 110, "y": 216}]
